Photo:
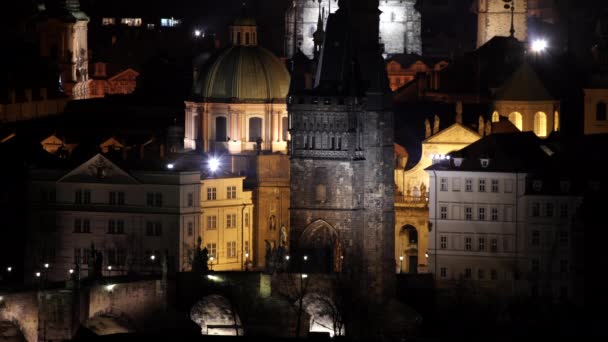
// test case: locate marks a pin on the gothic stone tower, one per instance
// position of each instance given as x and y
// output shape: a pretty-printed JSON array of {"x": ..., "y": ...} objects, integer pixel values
[
  {"x": 494, "y": 20},
  {"x": 399, "y": 25},
  {"x": 342, "y": 186}
]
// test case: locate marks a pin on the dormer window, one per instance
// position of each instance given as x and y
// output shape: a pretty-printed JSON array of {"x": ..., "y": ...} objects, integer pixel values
[
  {"x": 537, "y": 185},
  {"x": 458, "y": 162},
  {"x": 484, "y": 162}
]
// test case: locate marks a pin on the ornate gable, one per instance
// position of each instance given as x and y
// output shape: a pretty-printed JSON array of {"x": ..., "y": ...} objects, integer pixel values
[
  {"x": 456, "y": 133},
  {"x": 98, "y": 169}
]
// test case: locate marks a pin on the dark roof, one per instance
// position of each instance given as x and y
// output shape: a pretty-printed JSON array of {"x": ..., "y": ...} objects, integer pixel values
[
  {"x": 524, "y": 85},
  {"x": 507, "y": 152}
]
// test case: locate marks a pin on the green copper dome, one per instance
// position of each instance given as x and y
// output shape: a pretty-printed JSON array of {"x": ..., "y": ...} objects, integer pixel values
[{"x": 243, "y": 74}]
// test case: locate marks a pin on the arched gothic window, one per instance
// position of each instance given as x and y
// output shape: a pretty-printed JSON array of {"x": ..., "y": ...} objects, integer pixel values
[
  {"x": 556, "y": 121},
  {"x": 495, "y": 117}
]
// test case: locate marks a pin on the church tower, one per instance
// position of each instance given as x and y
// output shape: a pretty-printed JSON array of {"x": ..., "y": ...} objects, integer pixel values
[
  {"x": 342, "y": 183},
  {"x": 62, "y": 34},
  {"x": 493, "y": 19},
  {"x": 399, "y": 25}
]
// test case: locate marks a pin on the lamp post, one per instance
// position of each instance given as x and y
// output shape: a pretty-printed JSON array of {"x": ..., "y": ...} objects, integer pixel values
[
  {"x": 211, "y": 263},
  {"x": 110, "y": 271},
  {"x": 401, "y": 264}
]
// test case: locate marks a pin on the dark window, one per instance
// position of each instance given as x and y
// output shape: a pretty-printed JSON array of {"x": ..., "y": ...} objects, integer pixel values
[
  {"x": 120, "y": 227},
  {"x": 190, "y": 199},
  {"x": 112, "y": 198},
  {"x": 149, "y": 228},
  {"x": 87, "y": 196},
  {"x": 111, "y": 227},
  {"x": 600, "y": 111},
  {"x": 158, "y": 229},
  {"x": 158, "y": 199},
  {"x": 121, "y": 198},
  {"x": 150, "y": 199},
  {"x": 255, "y": 129},
  {"x": 247, "y": 38},
  {"x": 86, "y": 226},
  {"x": 220, "y": 129},
  {"x": 78, "y": 197}
]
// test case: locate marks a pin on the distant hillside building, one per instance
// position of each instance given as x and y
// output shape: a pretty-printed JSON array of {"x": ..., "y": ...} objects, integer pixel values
[{"x": 493, "y": 19}]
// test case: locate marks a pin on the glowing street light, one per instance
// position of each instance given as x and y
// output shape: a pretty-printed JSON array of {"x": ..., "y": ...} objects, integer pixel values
[
  {"x": 197, "y": 33},
  {"x": 37, "y": 274},
  {"x": 46, "y": 266},
  {"x": 9, "y": 269},
  {"x": 170, "y": 166},
  {"x": 305, "y": 257},
  {"x": 152, "y": 257},
  {"x": 539, "y": 45},
  {"x": 287, "y": 257},
  {"x": 109, "y": 268},
  {"x": 304, "y": 276},
  {"x": 214, "y": 164},
  {"x": 71, "y": 271}
]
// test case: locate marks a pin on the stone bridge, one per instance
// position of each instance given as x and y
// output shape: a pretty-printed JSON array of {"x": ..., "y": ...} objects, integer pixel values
[{"x": 61, "y": 313}]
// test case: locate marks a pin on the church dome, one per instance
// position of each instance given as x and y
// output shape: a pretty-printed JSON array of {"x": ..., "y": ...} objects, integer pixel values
[{"x": 243, "y": 74}]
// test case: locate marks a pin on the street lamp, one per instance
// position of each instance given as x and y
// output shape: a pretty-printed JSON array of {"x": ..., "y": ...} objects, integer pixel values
[
  {"x": 287, "y": 257},
  {"x": 539, "y": 45},
  {"x": 109, "y": 270},
  {"x": 9, "y": 269},
  {"x": 401, "y": 264},
  {"x": 152, "y": 257},
  {"x": 46, "y": 266},
  {"x": 211, "y": 263},
  {"x": 197, "y": 33}
]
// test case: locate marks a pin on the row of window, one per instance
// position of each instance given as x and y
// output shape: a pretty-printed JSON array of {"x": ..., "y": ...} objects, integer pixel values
[
  {"x": 231, "y": 251},
  {"x": 116, "y": 198},
  {"x": 482, "y": 185},
  {"x": 482, "y": 244},
  {"x": 212, "y": 193},
  {"x": 482, "y": 213},
  {"x": 231, "y": 221},
  {"x": 468, "y": 273},
  {"x": 113, "y": 256},
  {"x": 118, "y": 227}
]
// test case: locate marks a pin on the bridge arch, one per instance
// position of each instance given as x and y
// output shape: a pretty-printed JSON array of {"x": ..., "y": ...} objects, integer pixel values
[{"x": 216, "y": 315}]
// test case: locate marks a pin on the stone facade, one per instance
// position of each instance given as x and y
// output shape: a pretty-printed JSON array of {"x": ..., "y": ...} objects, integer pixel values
[
  {"x": 400, "y": 25},
  {"x": 541, "y": 117},
  {"x": 271, "y": 197},
  {"x": 494, "y": 20},
  {"x": 100, "y": 85}
]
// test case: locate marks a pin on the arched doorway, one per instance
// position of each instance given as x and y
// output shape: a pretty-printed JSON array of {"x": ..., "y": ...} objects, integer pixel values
[
  {"x": 408, "y": 249},
  {"x": 216, "y": 316},
  {"x": 319, "y": 243}
]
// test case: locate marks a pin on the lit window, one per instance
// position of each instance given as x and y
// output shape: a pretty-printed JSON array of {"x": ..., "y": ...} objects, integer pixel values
[
  {"x": 131, "y": 21},
  {"x": 108, "y": 21},
  {"x": 540, "y": 124},
  {"x": 169, "y": 22},
  {"x": 444, "y": 213},
  {"x": 495, "y": 117},
  {"x": 444, "y": 184},
  {"x": 516, "y": 120}
]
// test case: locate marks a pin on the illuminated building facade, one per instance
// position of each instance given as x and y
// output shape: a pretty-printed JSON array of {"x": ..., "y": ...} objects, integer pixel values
[
  {"x": 102, "y": 84},
  {"x": 128, "y": 215},
  {"x": 503, "y": 219},
  {"x": 399, "y": 26},
  {"x": 527, "y": 103},
  {"x": 226, "y": 223},
  {"x": 239, "y": 99}
]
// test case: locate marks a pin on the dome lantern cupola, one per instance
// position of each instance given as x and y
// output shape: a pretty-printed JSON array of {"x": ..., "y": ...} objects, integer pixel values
[{"x": 244, "y": 32}]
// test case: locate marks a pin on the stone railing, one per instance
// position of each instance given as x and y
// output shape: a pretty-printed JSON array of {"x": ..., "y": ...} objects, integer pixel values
[{"x": 416, "y": 201}]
